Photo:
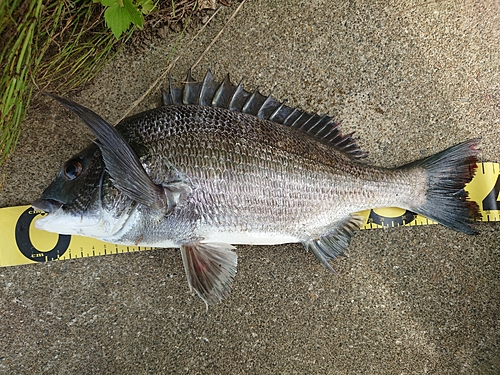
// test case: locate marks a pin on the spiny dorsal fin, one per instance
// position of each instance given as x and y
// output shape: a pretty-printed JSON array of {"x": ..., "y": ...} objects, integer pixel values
[
  {"x": 191, "y": 90},
  {"x": 226, "y": 95},
  {"x": 239, "y": 98},
  {"x": 175, "y": 94},
  {"x": 254, "y": 103},
  {"x": 208, "y": 89}
]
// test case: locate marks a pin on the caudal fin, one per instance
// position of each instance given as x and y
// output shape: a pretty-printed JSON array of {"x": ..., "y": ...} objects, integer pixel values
[{"x": 448, "y": 171}]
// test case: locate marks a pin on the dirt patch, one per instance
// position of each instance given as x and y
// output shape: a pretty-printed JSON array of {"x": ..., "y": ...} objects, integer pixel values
[{"x": 177, "y": 16}]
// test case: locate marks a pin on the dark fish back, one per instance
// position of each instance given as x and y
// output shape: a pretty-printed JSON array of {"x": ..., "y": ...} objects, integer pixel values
[{"x": 228, "y": 96}]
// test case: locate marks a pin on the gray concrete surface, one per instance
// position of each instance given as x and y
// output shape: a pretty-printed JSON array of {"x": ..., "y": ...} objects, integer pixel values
[{"x": 411, "y": 78}]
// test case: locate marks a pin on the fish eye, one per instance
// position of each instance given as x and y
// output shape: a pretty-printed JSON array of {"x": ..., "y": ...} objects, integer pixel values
[{"x": 72, "y": 169}]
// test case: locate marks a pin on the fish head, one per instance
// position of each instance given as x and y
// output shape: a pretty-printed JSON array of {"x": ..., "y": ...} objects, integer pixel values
[{"x": 82, "y": 199}]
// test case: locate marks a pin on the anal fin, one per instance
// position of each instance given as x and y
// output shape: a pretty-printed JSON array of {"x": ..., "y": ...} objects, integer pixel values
[
  {"x": 335, "y": 241},
  {"x": 210, "y": 269}
]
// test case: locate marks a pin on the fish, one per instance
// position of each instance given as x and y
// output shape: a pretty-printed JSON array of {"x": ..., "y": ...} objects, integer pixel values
[{"x": 216, "y": 166}]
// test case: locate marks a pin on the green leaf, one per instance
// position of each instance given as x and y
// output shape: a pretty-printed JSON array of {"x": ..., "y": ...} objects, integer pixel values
[
  {"x": 118, "y": 19},
  {"x": 108, "y": 3},
  {"x": 147, "y": 6},
  {"x": 135, "y": 16}
]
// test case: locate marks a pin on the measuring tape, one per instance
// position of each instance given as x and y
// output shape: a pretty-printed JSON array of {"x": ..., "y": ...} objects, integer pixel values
[{"x": 22, "y": 243}]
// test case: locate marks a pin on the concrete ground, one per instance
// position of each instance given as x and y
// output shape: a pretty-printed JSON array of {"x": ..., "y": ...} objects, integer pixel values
[{"x": 411, "y": 78}]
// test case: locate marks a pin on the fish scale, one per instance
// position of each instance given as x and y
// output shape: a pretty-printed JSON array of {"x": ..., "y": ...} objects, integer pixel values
[
  {"x": 217, "y": 166},
  {"x": 311, "y": 175}
]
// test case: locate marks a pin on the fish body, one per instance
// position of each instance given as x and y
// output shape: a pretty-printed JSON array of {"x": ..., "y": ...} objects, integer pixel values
[{"x": 216, "y": 166}]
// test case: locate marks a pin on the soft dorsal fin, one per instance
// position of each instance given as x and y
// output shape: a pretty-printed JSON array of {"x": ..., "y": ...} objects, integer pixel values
[{"x": 226, "y": 95}]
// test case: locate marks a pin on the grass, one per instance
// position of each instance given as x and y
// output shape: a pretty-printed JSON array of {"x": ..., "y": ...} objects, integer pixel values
[
  {"x": 14, "y": 61},
  {"x": 58, "y": 46},
  {"x": 45, "y": 44}
]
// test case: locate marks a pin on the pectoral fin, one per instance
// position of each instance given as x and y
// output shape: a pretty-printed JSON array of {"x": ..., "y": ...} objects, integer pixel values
[
  {"x": 122, "y": 163},
  {"x": 210, "y": 269},
  {"x": 335, "y": 241}
]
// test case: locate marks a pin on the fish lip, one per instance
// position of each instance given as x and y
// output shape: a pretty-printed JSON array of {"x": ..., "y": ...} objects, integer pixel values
[{"x": 47, "y": 205}]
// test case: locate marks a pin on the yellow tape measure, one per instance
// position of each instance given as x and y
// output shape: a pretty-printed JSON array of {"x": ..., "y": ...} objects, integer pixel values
[{"x": 22, "y": 243}]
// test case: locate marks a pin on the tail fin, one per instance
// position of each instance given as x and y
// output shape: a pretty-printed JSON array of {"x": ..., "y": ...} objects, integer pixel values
[{"x": 448, "y": 171}]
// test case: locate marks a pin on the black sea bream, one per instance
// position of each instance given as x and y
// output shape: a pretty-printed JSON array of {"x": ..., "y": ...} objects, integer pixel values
[{"x": 216, "y": 166}]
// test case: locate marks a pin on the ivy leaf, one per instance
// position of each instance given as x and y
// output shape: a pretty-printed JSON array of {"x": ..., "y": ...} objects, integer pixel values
[{"x": 118, "y": 19}]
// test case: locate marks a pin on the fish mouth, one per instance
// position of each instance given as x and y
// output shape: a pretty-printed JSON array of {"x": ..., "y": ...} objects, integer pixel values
[{"x": 47, "y": 205}]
